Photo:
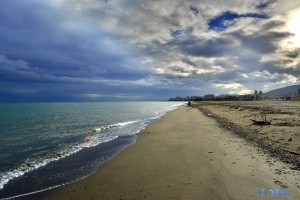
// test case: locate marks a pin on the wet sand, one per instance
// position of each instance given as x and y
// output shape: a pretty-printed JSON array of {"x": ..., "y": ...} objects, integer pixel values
[{"x": 185, "y": 155}]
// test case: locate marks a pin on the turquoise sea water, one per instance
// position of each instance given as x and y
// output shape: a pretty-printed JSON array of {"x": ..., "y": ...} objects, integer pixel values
[{"x": 35, "y": 135}]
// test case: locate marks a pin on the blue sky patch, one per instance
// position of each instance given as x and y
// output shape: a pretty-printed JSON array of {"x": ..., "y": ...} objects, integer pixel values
[
  {"x": 176, "y": 33},
  {"x": 219, "y": 23}
]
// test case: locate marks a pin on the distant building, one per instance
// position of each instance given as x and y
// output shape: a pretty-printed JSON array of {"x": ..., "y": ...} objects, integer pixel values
[
  {"x": 178, "y": 99},
  {"x": 296, "y": 96},
  {"x": 188, "y": 98},
  {"x": 246, "y": 97},
  {"x": 291, "y": 96},
  {"x": 209, "y": 97}
]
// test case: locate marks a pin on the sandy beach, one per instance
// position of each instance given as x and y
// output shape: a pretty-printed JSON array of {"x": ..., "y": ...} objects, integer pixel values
[
  {"x": 281, "y": 137},
  {"x": 186, "y": 155}
]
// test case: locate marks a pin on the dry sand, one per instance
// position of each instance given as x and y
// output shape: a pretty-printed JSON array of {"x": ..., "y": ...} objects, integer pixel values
[
  {"x": 185, "y": 155},
  {"x": 281, "y": 137}
]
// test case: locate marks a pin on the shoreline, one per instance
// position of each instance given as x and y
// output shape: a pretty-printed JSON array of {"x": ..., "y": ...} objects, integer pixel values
[
  {"x": 184, "y": 155},
  {"x": 104, "y": 152},
  {"x": 61, "y": 164}
]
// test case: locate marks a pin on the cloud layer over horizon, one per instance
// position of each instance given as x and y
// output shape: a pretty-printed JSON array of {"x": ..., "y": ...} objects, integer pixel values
[{"x": 93, "y": 50}]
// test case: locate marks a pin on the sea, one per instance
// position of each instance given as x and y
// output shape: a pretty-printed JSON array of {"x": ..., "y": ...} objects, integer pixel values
[{"x": 47, "y": 145}]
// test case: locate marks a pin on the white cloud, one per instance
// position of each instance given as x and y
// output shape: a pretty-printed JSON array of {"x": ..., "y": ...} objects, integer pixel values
[
  {"x": 147, "y": 25},
  {"x": 266, "y": 76},
  {"x": 234, "y": 88}
]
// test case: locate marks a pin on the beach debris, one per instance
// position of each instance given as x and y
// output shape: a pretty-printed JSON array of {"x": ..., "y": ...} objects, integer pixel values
[
  {"x": 280, "y": 184},
  {"x": 234, "y": 106},
  {"x": 278, "y": 171},
  {"x": 258, "y": 133},
  {"x": 261, "y": 122},
  {"x": 291, "y": 152}
]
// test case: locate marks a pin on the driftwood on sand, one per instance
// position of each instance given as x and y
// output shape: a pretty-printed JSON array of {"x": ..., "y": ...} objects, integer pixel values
[{"x": 261, "y": 122}]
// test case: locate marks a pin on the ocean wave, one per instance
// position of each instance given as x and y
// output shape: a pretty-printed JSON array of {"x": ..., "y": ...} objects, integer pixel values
[
  {"x": 89, "y": 141},
  {"x": 113, "y": 125},
  {"x": 33, "y": 164},
  {"x": 99, "y": 135}
]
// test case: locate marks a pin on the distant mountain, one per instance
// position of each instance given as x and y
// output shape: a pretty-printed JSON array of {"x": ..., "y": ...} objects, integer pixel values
[{"x": 285, "y": 91}]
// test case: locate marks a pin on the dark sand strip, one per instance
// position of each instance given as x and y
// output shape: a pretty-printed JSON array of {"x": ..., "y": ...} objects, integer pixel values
[{"x": 185, "y": 155}]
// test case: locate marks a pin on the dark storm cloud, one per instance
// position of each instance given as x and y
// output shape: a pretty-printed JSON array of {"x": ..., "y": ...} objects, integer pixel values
[
  {"x": 264, "y": 5},
  {"x": 280, "y": 66},
  {"x": 100, "y": 50},
  {"x": 261, "y": 42},
  {"x": 41, "y": 35},
  {"x": 294, "y": 54},
  {"x": 272, "y": 24},
  {"x": 189, "y": 62},
  {"x": 211, "y": 47},
  {"x": 194, "y": 10}
]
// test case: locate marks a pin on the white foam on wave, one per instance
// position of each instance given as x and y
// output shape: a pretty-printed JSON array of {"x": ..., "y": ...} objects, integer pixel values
[
  {"x": 33, "y": 164},
  {"x": 113, "y": 125},
  {"x": 35, "y": 192},
  {"x": 125, "y": 123},
  {"x": 162, "y": 112},
  {"x": 141, "y": 124},
  {"x": 173, "y": 107}
]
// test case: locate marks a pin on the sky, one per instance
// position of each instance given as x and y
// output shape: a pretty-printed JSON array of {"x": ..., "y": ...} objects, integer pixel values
[{"x": 139, "y": 50}]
